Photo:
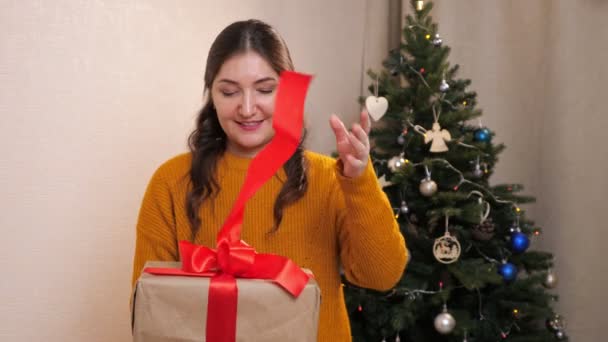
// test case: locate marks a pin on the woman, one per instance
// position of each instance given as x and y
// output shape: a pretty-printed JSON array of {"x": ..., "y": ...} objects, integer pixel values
[{"x": 320, "y": 212}]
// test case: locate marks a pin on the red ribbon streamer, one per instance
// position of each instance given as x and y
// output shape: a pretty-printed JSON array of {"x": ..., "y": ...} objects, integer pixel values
[{"x": 233, "y": 258}]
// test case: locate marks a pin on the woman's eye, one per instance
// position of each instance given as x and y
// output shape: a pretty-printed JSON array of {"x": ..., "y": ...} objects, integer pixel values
[
  {"x": 228, "y": 93},
  {"x": 266, "y": 91}
]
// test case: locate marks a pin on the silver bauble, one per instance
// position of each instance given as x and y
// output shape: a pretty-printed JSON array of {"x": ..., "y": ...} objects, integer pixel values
[
  {"x": 396, "y": 163},
  {"x": 550, "y": 280},
  {"x": 560, "y": 335},
  {"x": 445, "y": 323},
  {"x": 444, "y": 86},
  {"x": 428, "y": 187},
  {"x": 404, "y": 209},
  {"x": 437, "y": 41},
  {"x": 556, "y": 323},
  {"x": 477, "y": 172}
]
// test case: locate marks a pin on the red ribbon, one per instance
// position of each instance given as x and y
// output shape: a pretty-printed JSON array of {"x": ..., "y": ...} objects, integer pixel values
[{"x": 233, "y": 258}]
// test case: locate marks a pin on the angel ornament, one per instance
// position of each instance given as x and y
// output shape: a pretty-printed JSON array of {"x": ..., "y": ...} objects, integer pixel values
[{"x": 438, "y": 137}]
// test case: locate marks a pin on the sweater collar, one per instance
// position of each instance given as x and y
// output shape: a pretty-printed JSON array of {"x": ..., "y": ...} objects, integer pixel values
[{"x": 232, "y": 161}]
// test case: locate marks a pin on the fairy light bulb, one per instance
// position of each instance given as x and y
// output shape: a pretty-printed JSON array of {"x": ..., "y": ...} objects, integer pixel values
[{"x": 419, "y": 5}]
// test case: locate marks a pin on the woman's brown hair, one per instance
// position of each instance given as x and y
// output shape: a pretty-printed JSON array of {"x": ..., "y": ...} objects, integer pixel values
[{"x": 207, "y": 142}]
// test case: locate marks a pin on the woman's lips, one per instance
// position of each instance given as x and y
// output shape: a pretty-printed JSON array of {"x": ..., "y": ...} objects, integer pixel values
[{"x": 250, "y": 125}]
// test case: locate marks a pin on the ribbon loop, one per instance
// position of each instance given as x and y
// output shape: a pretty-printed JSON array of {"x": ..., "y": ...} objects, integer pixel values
[{"x": 235, "y": 258}]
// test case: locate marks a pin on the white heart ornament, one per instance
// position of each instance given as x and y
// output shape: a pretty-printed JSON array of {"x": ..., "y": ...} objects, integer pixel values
[{"x": 376, "y": 106}]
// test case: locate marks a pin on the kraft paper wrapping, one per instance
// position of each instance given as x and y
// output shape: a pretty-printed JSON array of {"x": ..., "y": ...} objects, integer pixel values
[{"x": 174, "y": 308}]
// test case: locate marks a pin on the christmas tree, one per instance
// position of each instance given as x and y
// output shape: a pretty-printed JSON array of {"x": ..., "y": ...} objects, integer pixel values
[{"x": 472, "y": 276}]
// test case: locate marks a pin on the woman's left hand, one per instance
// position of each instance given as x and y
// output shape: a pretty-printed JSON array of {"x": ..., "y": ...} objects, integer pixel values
[{"x": 353, "y": 145}]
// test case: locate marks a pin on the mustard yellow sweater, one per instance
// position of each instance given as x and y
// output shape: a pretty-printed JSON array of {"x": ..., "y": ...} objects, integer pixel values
[{"x": 339, "y": 222}]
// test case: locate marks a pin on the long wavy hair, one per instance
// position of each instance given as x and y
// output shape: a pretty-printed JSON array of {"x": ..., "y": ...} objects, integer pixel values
[{"x": 207, "y": 142}]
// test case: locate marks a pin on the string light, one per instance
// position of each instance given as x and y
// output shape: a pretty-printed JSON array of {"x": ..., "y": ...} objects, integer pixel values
[
  {"x": 419, "y": 5},
  {"x": 463, "y": 180}
]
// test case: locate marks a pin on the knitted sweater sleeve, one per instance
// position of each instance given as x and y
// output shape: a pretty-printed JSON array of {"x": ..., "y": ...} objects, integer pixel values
[
  {"x": 372, "y": 248},
  {"x": 155, "y": 233}
]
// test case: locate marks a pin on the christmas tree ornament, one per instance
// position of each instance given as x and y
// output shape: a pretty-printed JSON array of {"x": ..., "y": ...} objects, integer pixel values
[
  {"x": 445, "y": 322},
  {"x": 404, "y": 209},
  {"x": 428, "y": 187},
  {"x": 446, "y": 248},
  {"x": 550, "y": 280},
  {"x": 397, "y": 339},
  {"x": 401, "y": 139},
  {"x": 397, "y": 162},
  {"x": 514, "y": 228},
  {"x": 444, "y": 86},
  {"x": 508, "y": 271},
  {"x": 437, "y": 41},
  {"x": 482, "y": 135},
  {"x": 556, "y": 323},
  {"x": 383, "y": 182},
  {"x": 419, "y": 5},
  {"x": 477, "y": 171},
  {"x": 438, "y": 137},
  {"x": 560, "y": 335},
  {"x": 484, "y": 231},
  {"x": 519, "y": 242},
  {"x": 376, "y": 106}
]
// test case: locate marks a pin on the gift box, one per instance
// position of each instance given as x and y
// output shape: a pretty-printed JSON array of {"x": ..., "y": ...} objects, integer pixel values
[{"x": 174, "y": 308}]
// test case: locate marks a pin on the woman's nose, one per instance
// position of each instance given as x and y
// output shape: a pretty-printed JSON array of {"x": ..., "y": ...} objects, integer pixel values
[{"x": 248, "y": 104}]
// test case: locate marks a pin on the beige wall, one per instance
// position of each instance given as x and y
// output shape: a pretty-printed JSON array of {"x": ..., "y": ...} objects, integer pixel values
[
  {"x": 94, "y": 95},
  {"x": 539, "y": 68}
]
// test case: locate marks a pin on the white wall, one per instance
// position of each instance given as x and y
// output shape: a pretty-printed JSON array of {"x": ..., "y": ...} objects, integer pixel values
[{"x": 94, "y": 95}]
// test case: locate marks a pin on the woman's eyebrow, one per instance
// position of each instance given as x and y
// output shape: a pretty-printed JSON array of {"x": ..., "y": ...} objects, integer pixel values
[{"x": 261, "y": 80}]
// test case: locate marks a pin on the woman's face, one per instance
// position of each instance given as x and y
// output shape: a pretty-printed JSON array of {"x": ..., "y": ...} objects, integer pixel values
[{"x": 243, "y": 94}]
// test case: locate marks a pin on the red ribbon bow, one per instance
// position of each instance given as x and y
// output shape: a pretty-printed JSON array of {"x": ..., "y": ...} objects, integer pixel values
[{"x": 233, "y": 258}]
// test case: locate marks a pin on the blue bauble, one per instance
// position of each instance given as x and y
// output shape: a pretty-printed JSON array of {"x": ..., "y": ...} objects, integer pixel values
[
  {"x": 519, "y": 242},
  {"x": 482, "y": 135},
  {"x": 508, "y": 271}
]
